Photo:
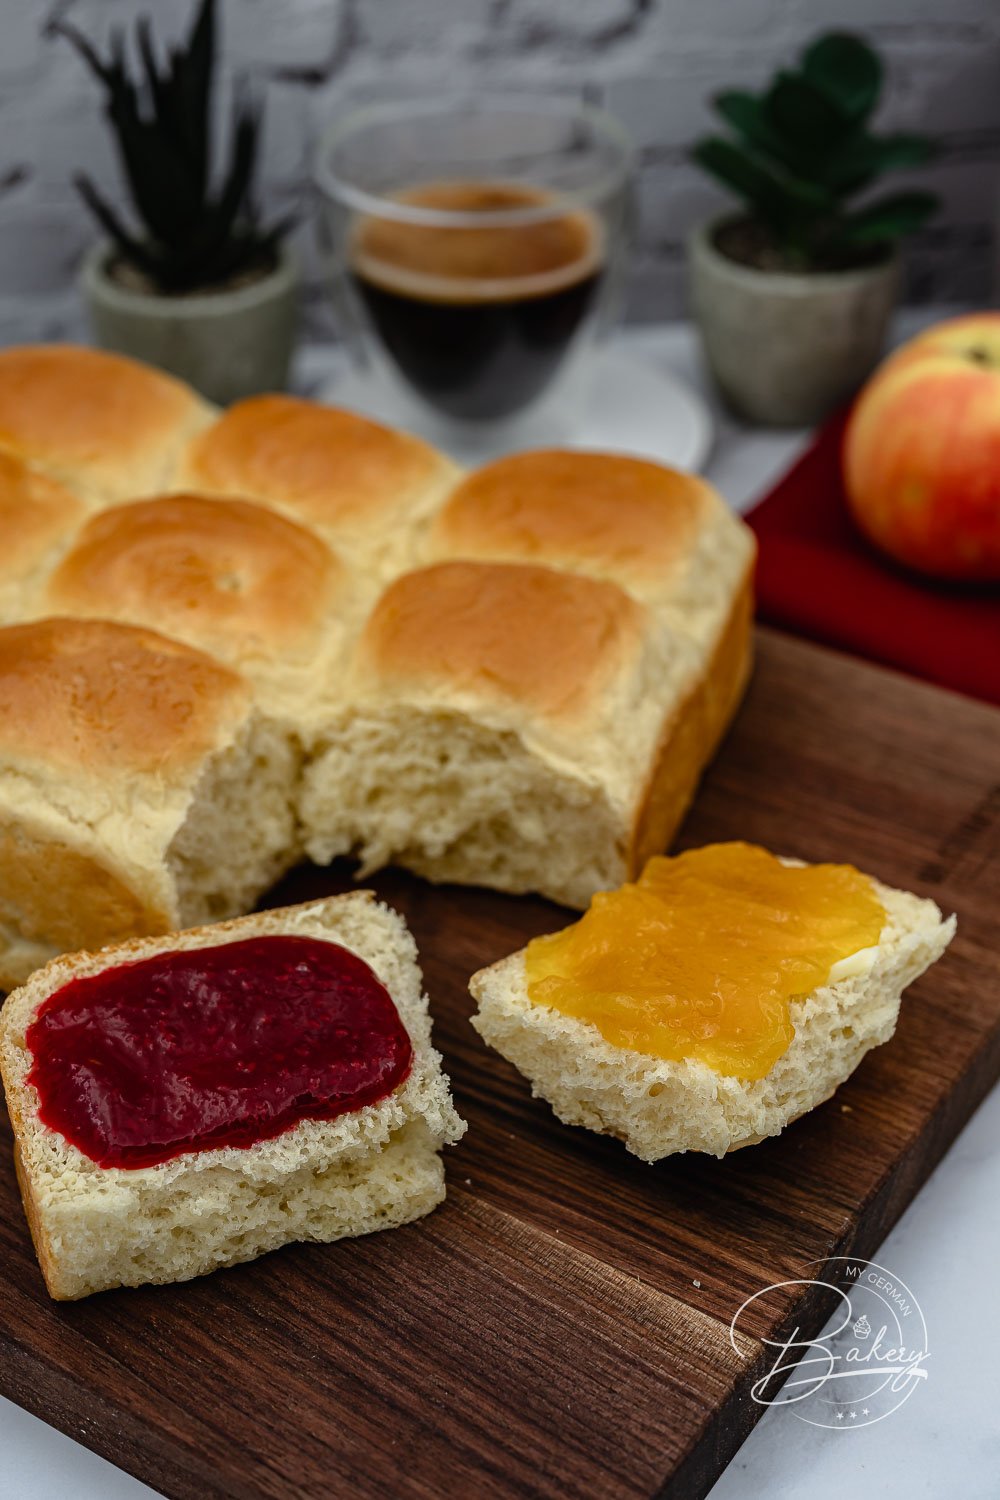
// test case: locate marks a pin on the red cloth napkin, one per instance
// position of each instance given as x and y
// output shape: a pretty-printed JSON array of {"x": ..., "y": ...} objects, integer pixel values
[{"x": 818, "y": 577}]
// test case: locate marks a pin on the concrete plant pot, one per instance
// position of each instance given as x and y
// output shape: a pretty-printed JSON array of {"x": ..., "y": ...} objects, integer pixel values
[
  {"x": 227, "y": 344},
  {"x": 786, "y": 348}
]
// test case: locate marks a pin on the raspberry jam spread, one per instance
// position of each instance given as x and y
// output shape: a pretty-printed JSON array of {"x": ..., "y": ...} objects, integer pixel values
[
  {"x": 221, "y": 1046},
  {"x": 703, "y": 955}
]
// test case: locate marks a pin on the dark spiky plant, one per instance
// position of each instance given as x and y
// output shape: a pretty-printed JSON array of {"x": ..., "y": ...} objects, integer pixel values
[
  {"x": 803, "y": 149},
  {"x": 195, "y": 233}
]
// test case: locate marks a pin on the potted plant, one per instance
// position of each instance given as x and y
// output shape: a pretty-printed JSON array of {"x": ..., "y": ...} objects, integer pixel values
[
  {"x": 793, "y": 295},
  {"x": 204, "y": 289}
]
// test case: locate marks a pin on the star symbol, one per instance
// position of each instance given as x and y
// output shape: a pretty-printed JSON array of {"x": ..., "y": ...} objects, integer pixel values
[
  {"x": 840, "y": 1416},
  {"x": 864, "y": 1412},
  {"x": 853, "y": 1415}
]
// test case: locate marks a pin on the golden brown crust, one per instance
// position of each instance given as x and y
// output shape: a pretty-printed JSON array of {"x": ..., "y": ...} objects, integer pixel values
[
  {"x": 524, "y": 634},
  {"x": 623, "y": 517},
  {"x": 329, "y": 467},
  {"x": 692, "y": 733},
  {"x": 35, "y": 513},
  {"x": 228, "y": 574},
  {"x": 93, "y": 697},
  {"x": 95, "y": 419}
]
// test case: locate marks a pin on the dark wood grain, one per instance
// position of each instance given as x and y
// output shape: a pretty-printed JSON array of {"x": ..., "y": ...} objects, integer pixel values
[{"x": 560, "y": 1327}]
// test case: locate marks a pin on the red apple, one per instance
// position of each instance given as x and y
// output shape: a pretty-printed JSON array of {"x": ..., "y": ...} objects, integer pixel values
[{"x": 922, "y": 451}]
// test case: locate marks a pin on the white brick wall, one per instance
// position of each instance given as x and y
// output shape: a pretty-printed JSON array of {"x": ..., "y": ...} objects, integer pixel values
[{"x": 654, "y": 62}]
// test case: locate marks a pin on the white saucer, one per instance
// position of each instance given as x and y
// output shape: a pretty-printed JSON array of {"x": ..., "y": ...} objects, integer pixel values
[{"x": 632, "y": 406}]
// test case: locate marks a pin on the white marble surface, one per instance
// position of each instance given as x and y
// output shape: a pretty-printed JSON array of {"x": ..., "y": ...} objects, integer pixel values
[{"x": 946, "y": 1439}]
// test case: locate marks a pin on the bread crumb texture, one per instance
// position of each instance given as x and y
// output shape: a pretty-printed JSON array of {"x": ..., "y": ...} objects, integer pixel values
[{"x": 374, "y": 1168}]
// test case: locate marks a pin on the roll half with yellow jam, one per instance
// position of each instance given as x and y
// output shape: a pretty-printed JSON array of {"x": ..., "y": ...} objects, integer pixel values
[{"x": 711, "y": 1002}]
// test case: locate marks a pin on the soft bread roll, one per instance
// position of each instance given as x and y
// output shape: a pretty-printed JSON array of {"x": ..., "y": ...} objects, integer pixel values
[
  {"x": 233, "y": 578},
  {"x": 665, "y": 536},
  {"x": 517, "y": 726},
  {"x": 658, "y": 1107},
  {"x": 37, "y": 514},
  {"x": 373, "y": 1168},
  {"x": 139, "y": 791},
  {"x": 360, "y": 485},
  {"x": 105, "y": 425}
]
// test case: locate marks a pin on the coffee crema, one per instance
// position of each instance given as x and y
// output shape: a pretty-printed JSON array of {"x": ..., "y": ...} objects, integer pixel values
[{"x": 478, "y": 318}]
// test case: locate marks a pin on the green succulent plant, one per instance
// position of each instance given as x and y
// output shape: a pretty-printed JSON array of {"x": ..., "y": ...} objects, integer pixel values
[
  {"x": 803, "y": 150},
  {"x": 194, "y": 233}
]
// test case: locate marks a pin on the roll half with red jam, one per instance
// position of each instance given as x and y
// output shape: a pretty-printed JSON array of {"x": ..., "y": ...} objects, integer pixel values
[{"x": 187, "y": 1102}]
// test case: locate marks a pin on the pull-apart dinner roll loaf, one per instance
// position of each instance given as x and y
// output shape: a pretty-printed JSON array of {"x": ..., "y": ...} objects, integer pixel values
[
  {"x": 152, "y": 1146},
  {"x": 139, "y": 790},
  {"x": 512, "y": 678},
  {"x": 233, "y": 578},
  {"x": 513, "y": 726},
  {"x": 360, "y": 485},
  {"x": 107, "y": 426}
]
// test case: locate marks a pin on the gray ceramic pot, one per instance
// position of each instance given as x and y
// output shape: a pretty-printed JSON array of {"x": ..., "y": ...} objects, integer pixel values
[
  {"x": 786, "y": 348},
  {"x": 226, "y": 344}
]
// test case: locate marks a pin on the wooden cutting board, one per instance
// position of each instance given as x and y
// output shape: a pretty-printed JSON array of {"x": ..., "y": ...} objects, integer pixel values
[{"x": 560, "y": 1327}]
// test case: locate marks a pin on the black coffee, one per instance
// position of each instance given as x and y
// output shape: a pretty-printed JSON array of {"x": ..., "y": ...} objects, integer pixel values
[{"x": 478, "y": 319}]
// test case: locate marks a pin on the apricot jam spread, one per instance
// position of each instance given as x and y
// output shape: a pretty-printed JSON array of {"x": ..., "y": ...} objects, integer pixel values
[
  {"x": 701, "y": 957},
  {"x": 221, "y": 1046}
]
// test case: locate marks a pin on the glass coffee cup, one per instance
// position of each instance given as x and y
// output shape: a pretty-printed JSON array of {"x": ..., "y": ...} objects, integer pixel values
[{"x": 476, "y": 250}]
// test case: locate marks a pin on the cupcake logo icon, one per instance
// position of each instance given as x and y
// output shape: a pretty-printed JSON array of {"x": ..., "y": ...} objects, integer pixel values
[{"x": 870, "y": 1358}]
